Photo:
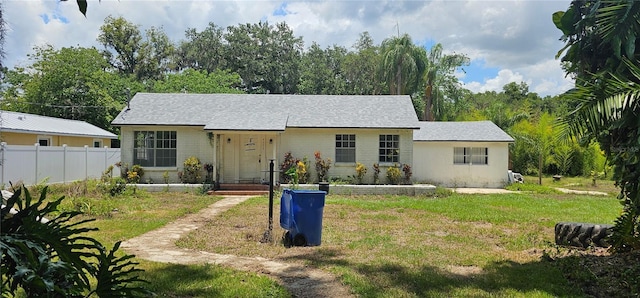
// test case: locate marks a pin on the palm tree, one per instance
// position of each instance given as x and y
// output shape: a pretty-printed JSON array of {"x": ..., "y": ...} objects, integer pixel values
[
  {"x": 601, "y": 51},
  {"x": 613, "y": 120},
  {"x": 403, "y": 64},
  {"x": 439, "y": 69}
]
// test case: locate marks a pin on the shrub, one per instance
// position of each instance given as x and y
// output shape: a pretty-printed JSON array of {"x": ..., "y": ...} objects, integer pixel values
[
  {"x": 406, "y": 169},
  {"x": 376, "y": 173},
  {"x": 208, "y": 167},
  {"x": 139, "y": 170},
  {"x": 361, "y": 171},
  {"x": 191, "y": 172},
  {"x": 322, "y": 166},
  {"x": 288, "y": 163},
  {"x": 393, "y": 175},
  {"x": 302, "y": 172}
]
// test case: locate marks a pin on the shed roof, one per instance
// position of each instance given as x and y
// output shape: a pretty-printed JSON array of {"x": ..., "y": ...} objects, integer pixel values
[
  {"x": 468, "y": 131},
  {"x": 269, "y": 112},
  {"x": 36, "y": 124}
]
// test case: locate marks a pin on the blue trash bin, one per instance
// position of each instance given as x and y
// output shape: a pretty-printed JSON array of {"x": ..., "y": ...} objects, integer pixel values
[
  {"x": 301, "y": 214},
  {"x": 285, "y": 210}
]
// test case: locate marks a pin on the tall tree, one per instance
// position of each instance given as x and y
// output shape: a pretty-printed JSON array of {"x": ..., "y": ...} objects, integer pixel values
[
  {"x": 199, "y": 81},
  {"x": 203, "y": 50},
  {"x": 439, "y": 76},
  {"x": 125, "y": 39},
  {"x": 321, "y": 71},
  {"x": 266, "y": 57},
  {"x": 360, "y": 67},
  {"x": 403, "y": 64},
  {"x": 156, "y": 55},
  {"x": 601, "y": 52},
  {"x": 146, "y": 57},
  {"x": 71, "y": 83}
]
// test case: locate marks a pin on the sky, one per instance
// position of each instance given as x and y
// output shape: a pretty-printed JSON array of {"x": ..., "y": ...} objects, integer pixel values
[{"x": 507, "y": 40}]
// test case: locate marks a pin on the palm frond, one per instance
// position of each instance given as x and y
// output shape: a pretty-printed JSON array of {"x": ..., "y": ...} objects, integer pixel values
[{"x": 601, "y": 103}]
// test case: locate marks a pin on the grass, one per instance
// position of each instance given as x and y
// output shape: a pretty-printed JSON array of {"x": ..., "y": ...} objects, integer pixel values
[
  {"x": 129, "y": 215},
  {"x": 450, "y": 245},
  {"x": 172, "y": 280},
  {"x": 577, "y": 183},
  {"x": 398, "y": 246}
]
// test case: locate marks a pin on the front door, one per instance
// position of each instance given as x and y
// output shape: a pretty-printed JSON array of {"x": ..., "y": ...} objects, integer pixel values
[{"x": 251, "y": 157}]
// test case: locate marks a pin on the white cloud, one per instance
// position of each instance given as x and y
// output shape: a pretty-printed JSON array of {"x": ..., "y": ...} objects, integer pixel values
[
  {"x": 515, "y": 36},
  {"x": 504, "y": 77}
]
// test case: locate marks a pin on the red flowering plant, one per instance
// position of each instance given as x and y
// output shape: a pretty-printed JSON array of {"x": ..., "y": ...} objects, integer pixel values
[{"x": 322, "y": 166}]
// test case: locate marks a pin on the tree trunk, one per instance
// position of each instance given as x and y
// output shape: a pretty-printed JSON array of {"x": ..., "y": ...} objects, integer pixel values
[
  {"x": 540, "y": 169},
  {"x": 398, "y": 80},
  {"x": 428, "y": 103}
]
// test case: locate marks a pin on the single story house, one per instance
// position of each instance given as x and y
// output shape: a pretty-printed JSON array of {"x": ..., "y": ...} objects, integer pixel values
[
  {"x": 29, "y": 129},
  {"x": 461, "y": 154},
  {"x": 238, "y": 134}
]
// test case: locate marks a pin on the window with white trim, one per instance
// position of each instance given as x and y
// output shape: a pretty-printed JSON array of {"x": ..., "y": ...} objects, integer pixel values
[
  {"x": 155, "y": 148},
  {"x": 44, "y": 141},
  {"x": 345, "y": 148},
  {"x": 389, "y": 148},
  {"x": 97, "y": 143},
  {"x": 471, "y": 155}
]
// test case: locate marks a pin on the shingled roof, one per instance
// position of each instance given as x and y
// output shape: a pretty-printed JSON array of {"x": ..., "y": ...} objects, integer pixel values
[
  {"x": 469, "y": 131},
  {"x": 36, "y": 124},
  {"x": 269, "y": 112}
]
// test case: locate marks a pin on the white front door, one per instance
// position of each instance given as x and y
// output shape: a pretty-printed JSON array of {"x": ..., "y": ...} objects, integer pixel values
[{"x": 251, "y": 155}]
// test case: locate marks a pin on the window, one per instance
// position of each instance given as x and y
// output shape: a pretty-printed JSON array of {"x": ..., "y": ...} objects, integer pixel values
[
  {"x": 461, "y": 155},
  {"x": 155, "y": 148},
  {"x": 44, "y": 141},
  {"x": 345, "y": 148},
  {"x": 480, "y": 156},
  {"x": 389, "y": 150},
  {"x": 97, "y": 143},
  {"x": 471, "y": 155}
]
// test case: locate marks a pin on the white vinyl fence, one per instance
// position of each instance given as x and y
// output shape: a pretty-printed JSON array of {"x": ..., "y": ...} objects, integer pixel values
[{"x": 56, "y": 164}]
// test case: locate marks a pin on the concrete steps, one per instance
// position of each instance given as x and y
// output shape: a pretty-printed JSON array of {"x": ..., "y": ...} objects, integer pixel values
[{"x": 240, "y": 190}]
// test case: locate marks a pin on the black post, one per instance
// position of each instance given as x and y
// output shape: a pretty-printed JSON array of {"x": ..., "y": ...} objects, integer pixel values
[
  {"x": 268, "y": 237},
  {"x": 270, "y": 195}
]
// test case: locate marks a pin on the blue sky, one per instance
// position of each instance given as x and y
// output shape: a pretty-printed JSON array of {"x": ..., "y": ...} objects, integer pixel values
[
  {"x": 510, "y": 40},
  {"x": 478, "y": 71}
]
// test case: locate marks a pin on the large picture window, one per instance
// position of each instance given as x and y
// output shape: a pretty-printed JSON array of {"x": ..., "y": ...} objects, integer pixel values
[
  {"x": 389, "y": 149},
  {"x": 155, "y": 148},
  {"x": 345, "y": 148},
  {"x": 471, "y": 155}
]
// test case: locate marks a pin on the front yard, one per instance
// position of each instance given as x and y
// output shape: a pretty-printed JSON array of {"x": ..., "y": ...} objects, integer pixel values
[{"x": 449, "y": 245}]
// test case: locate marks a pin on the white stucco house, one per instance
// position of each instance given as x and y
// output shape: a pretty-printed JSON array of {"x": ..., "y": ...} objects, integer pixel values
[
  {"x": 461, "y": 154},
  {"x": 240, "y": 133}
]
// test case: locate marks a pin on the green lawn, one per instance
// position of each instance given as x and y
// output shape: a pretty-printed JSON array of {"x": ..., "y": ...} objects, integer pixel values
[
  {"x": 380, "y": 246},
  {"x": 398, "y": 246}
]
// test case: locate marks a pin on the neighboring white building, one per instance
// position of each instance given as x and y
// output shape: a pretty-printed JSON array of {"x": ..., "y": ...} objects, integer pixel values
[
  {"x": 28, "y": 129},
  {"x": 240, "y": 133},
  {"x": 461, "y": 154}
]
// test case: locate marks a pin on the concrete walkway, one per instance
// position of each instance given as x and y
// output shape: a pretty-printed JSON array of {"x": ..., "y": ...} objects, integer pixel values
[
  {"x": 582, "y": 192},
  {"x": 159, "y": 246},
  {"x": 470, "y": 190}
]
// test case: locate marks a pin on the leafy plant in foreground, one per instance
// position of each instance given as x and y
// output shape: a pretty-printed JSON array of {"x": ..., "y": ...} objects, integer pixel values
[{"x": 50, "y": 257}]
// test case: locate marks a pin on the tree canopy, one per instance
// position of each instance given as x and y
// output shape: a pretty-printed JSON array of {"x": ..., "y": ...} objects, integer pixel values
[{"x": 93, "y": 85}]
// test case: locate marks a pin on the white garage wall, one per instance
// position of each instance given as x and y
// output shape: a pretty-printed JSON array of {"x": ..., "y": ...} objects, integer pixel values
[{"x": 433, "y": 163}]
